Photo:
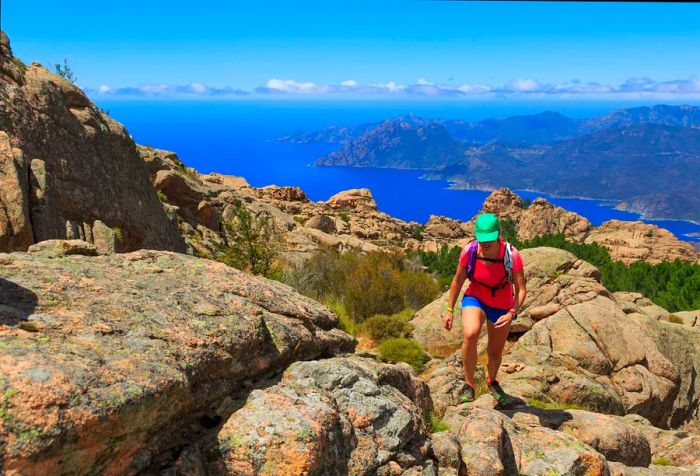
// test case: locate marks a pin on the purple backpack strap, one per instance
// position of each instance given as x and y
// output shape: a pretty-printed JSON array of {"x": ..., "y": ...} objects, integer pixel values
[{"x": 471, "y": 260}]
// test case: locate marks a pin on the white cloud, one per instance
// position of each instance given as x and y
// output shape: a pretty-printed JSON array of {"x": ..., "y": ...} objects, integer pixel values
[
  {"x": 291, "y": 86},
  {"x": 633, "y": 88},
  {"x": 523, "y": 85},
  {"x": 198, "y": 87}
]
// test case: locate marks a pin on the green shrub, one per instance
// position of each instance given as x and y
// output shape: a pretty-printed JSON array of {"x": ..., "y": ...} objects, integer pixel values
[
  {"x": 344, "y": 322},
  {"x": 162, "y": 196},
  {"x": 65, "y": 71},
  {"x": 420, "y": 289},
  {"x": 253, "y": 241},
  {"x": 437, "y": 425},
  {"x": 344, "y": 216},
  {"x": 663, "y": 462},
  {"x": 325, "y": 274},
  {"x": 508, "y": 231},
  {"x": 21, "y": 66},
  {"x": 403, "y": 350},
  {"x": 442, "y": 263},
  {"x": 374, "y": 287},
  {"x": 417, "y": 232},
  {"x": 380, "y": 328}
]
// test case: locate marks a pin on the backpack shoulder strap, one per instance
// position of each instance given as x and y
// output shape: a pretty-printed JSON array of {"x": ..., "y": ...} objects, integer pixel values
[
  {"x": 508, "y": 261},
  {"x": 471, "y": 259}
]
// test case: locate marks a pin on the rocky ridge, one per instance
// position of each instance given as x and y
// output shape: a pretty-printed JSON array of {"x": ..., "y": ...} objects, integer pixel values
[{"x": 68, "y": 170}]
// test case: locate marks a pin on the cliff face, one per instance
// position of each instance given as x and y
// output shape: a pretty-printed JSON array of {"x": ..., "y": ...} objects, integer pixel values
[{"x": 68, "y": 170}]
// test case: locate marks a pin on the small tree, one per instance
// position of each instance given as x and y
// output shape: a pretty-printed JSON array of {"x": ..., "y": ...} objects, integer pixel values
[
  {"x": 253, "y": 241},
  {"x": 65, "y": 71}
]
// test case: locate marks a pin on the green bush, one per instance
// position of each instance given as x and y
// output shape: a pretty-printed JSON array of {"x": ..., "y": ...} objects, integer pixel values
[
  {"x": 417, "y": 232},
  {"x": 437, "y": 425},
  {"x": 344, "y": 322},
  {"x": 380, "y": 328},
  {"x": 253, "y": 241},
  {"x": 442, "y": 263},
  {"x": 508, "y": 231},
  {"x": 420, "y": 289},
  {"x": 403, "y": 350},
  {"x": 374, "y": 287},
  {"x": 324, "y": 275},
  {"x": 65, "y": 71}
]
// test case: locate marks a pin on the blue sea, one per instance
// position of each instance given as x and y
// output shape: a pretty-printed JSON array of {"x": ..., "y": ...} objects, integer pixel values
[{"x": 235, "y": 138}]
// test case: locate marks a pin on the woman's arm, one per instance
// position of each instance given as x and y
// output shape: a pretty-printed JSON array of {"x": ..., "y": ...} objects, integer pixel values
[
  {"x": 520, "y": 289},
  {"x": 456, "y": 286}
]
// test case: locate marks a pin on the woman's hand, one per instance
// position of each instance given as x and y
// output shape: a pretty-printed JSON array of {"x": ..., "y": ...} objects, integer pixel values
[
  {"x": 504, "y": 320},
  {"x": 447, "y": 320}
]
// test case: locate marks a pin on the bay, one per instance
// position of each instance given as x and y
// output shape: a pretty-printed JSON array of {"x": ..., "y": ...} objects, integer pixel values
[{"x": 235, "y": 138}]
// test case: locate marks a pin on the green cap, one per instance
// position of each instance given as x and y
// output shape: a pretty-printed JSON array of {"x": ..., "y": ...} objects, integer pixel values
[{"x": 486, "y": 227}]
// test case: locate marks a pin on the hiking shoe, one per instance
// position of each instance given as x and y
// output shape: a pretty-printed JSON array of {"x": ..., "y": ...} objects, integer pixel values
[
  {"x": 469, "y": 395},
  {"x": 502, "y": 398}
]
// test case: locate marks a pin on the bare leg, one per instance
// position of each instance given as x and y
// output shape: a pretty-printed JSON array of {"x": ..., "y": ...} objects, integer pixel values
[
  {"x": 472, "y": 320},
  {"x": 497, "y": 340}
]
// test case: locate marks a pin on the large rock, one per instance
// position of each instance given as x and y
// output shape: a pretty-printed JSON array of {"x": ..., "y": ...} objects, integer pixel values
[
  {"x": 360, "y": 198},
  {"x": 543, "y": 217},
  {"x": 65, "y": 165},
  {"x": 59, "y": 248},
  {"x": 493, "y": 444},
  {"x": 504, "y": 204},
  {"x": 108, "y": 361},
  {"x": 632, "y": 241},
  {"x": 335, "y": 416}
]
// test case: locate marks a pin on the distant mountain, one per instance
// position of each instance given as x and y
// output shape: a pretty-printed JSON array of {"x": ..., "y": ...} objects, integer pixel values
[
  {"x": 656, "y": 168},
  {"x": 327, "y": 135},
  {"x": 404, "y": 142},
  {"x": 542, "y": 128},
  {"x": 539, "y": 128},
  {"x": 678, "y": 116}
]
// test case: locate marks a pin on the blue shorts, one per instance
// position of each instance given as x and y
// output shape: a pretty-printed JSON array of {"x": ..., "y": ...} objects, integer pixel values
[{"x": 492, "y": 313}]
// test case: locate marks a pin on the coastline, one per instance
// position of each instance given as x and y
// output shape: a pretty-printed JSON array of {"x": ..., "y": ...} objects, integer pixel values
[{"x": 642, "y": 216}]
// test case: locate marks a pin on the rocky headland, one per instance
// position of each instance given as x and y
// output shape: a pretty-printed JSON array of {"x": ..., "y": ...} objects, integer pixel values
[{"x": 124, "y": 350}]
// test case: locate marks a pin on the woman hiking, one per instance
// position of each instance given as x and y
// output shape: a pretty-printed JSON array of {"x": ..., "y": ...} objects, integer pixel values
[{"x": 493, "y": 271}]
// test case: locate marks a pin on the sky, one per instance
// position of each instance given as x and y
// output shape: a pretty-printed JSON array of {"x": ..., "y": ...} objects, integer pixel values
[{"x": 447, "y": 49}]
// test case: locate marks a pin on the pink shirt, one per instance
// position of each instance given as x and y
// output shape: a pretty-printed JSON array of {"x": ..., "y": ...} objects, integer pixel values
[{"x": 491, "y": 274}]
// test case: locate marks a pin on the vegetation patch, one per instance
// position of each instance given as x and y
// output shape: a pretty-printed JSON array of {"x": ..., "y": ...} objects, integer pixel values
[
  {"x": 533, "y": 402},
  {"x": 253, "y": 242},
  {"x": 663, "y": 462},
  {"x": 436, "y": 424},
  {"x": 380, "y": 328},
  {"x": 403, "y": 350}
]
